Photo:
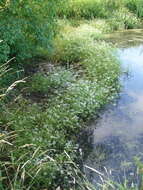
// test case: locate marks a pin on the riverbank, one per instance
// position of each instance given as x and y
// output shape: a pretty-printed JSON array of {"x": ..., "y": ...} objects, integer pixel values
[
  {"x": 39, "y": 128},
  {"x": 54, "y": 108}
]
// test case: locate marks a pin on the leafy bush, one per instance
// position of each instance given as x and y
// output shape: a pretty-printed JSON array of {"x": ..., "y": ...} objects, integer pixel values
[
  {"x": 102, "y": 65},
  {"x": 42, "y": 137},
  {"x": 24, "y": 26}
]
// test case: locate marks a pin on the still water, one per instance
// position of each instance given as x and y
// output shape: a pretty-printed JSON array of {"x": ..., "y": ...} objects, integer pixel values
[{"x": 116, "y": 141}]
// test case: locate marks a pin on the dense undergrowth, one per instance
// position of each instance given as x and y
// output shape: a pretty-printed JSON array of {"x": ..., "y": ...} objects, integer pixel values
[
  {"x": 40, "y": 121},
  {"x": 49, "y": 129}
]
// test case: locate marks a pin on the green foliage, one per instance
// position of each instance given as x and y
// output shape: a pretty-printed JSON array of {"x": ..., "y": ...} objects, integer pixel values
[
  {"x": 47, "y": 166},
  {"x": 135, "y": 6},
  {"x": 40, "y": 138},
  {"x": 53, "y": 81},
  {"x": 74, "y": 46},
  {"x": 81, "y": 47},
  {"x": 89, "y": 8},
  {"x": 4, "y": 51},
  {"x": 102, "y": 64},
  {"x": 42, "y": 135},
  {"x": 122, "y": 14},
  {"x": 83, "y": 8},
  {"x": 123, "y": 19},
  {"x": 24, "y": 26}
]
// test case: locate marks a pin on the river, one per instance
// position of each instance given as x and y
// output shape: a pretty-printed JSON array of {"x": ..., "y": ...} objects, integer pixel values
[{"x": 116, "y": 140}]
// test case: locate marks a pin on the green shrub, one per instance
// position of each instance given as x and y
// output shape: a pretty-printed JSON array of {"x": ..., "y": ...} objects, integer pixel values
[
  {"x": 38, "y": 141},
  {"x": 95, "y": 58},
  {"x": 83, "y": 98},
  {"x": 24, "y": 26},
  {"x": 41, "y": 135}
]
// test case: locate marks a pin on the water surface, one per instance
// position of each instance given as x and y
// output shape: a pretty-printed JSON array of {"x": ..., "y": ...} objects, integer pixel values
[{"x": 117, "y": 137}]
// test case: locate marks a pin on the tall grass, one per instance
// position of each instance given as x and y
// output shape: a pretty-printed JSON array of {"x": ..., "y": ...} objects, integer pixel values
[
  {"x": 89, "y": 8},
  {"x": 108, "y": 181},
  {"x": 135, "y": 6},
  {"x": 124, "y": 14}
]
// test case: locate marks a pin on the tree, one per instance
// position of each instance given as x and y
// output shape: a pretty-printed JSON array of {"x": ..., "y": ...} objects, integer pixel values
[{"x": 26, "y": 25}]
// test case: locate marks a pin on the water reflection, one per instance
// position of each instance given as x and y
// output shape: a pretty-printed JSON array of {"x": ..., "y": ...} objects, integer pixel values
[
  {"x": 118, "y": 135},
  {"x": 126, "y": 38}
]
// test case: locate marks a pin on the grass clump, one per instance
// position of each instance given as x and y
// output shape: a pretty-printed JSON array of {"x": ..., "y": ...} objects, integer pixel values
[
  {"x": 81, "y": 48},
  {"x": 123, "y": 19},
  {"x": 73, "y": 46},
  {"x": 89, "y": 8},
  {"x": 135, "y": 6},
  {"x": 116, "y": 15}
]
